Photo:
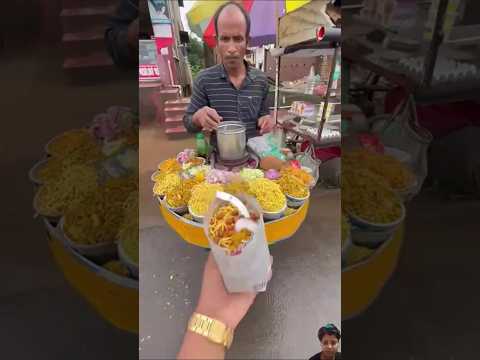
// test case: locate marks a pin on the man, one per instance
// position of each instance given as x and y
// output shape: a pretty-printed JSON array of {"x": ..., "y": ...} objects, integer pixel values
[
  {"x": 232, "y": 90},
  {"x": 329, "y": 336},
  {"x": 130, "y": 22}
]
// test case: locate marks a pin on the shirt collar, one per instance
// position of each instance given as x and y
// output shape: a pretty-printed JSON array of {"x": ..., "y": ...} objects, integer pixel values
[{"x": 250, "y": 74}]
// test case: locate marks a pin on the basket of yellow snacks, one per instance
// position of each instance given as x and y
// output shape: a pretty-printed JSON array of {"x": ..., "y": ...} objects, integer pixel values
[
  {"x": 71, "y": 141},
  {"x": 270, "y": 197},
  {"x": 95, "y": 246},
  {"x": 177, "y": 197},
  {"x": 54, "y": 197},
  {"x": 170, "y": 166},
  {"x": 83, "y": 228},
  {"x": 202, "y": 196},
  {"x": 395, "y": 173},
  {"x": 375, "y": 210},
  {"x": 91, "y": 225},
  {"x": 165, "y": 182},
  {"x": 304, "y": 174},
  {"x": 296, "y": 191}
]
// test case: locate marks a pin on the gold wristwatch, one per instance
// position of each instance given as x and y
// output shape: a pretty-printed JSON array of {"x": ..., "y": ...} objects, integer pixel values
[{"x": 212, "y": 329}]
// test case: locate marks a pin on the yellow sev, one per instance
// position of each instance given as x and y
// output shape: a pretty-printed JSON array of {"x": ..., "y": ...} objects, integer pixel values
[
  {"x": 169, "y": 166},
  {"x": 268, "y": 194},
  {"x": 292, "y": 186},
  {"x": 221, "y": 229},
  {"x": 166, "y": 182},
  {"x": 202, "y": 196}
]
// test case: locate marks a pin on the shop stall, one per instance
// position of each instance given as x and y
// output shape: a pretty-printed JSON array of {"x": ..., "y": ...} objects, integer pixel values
[{"x": 185, "y": 185}]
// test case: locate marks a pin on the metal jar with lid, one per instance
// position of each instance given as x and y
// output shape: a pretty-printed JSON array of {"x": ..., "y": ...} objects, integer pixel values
[{"x": 231, "y": 140}]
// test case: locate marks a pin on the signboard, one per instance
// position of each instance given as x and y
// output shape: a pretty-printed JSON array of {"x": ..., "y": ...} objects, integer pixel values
[
  {"x": 148, "y": 69},
  {"x": 159, "y": 11},
  {"x": 148, "y": 72},
  {"x": 161, "y": 22}
]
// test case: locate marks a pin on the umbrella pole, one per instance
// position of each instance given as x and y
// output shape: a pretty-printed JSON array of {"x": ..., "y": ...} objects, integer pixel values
[
  {"x": 277, "y": 86},
  {"x": 277, "y": 67},
  {"x": 327, "y": 95}
]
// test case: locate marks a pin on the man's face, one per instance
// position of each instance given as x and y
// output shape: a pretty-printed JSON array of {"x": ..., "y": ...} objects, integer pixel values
[
  {"x": 231, "y": 37},
  {"x": 329, "y": 345}
]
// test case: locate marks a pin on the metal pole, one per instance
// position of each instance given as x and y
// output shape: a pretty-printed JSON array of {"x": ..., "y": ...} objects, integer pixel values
[
  {"x": 277, "y": 67},
  {"x": 277, "y": 86},
  {"x": 327, "y": 95},
  {"x": 437, "y": 39}
]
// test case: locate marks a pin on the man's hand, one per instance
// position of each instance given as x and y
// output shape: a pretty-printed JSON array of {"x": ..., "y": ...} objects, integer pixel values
[
  {"x": 215, "y": 301},
  {"x": 207, "y": 118},
  {"x": 266, "y": 124}
]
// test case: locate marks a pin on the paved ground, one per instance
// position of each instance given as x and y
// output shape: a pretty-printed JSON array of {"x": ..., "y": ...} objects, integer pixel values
[{"x": 303, "y": 293}]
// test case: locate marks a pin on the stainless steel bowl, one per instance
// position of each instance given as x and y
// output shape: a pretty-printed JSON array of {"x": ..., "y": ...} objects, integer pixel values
[{"x": 231, "y": 140}]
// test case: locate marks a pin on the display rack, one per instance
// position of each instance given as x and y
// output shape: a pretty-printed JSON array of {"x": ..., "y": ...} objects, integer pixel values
[
  {"x": 356, "y": 50},
  {"x": 313, "y": 38}
]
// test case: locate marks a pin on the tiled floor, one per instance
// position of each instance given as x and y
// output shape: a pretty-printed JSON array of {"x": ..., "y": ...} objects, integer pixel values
[{"x": 304, "y": 292}]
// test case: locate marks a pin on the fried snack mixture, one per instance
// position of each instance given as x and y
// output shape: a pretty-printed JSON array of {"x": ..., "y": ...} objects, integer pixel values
[
  {"x": 221, "y": 228},
  {"x": 170, "y": 166},
  {"x": 396, "y": 174},
  {"x": 202, "y": 196},
  {"x": 71, "y": 141},
  {"x": 292, "y": 186},
  {"x": 268, "y": 194},
  {"x": 367, "y": 196},
  {"x": 300, "y": 174}
]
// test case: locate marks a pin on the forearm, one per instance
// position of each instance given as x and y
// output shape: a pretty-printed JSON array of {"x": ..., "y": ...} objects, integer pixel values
[
  {"x": 118, "y": 46},
  {"x": 195, "y": 346},
  {"x": 190, "y": 124},
  {"x": 118, "y": 35}
]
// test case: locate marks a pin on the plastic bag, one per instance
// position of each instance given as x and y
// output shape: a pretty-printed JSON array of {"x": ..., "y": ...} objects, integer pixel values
[
  {"x": 308, "y": 160},
  {"x": 266, "y": 145},
  {"x": 402, "y": 131},
  {"x": 248, "y": 270}
]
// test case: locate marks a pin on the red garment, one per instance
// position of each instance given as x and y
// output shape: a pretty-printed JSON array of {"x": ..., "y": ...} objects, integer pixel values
[
  {"x": 439, "y": 119},
  {"x": 323, "y": 154}
]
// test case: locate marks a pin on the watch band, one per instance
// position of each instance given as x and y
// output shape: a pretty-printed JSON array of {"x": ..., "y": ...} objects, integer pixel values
[{"x": 212, "y": 329}]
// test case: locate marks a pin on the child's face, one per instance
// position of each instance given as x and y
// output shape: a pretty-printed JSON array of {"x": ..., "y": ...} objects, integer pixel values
[{"x": 329, "y": 345}]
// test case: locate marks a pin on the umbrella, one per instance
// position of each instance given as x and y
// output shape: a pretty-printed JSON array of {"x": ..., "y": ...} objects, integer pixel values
[{"x": 262, "y": 17}]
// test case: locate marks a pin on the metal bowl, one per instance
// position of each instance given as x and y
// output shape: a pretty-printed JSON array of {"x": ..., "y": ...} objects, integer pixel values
[{"x": 231, "y": 140}]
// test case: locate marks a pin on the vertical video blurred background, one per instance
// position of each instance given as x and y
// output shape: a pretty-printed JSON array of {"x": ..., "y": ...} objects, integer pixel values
[{"x": 57, "y": 76}]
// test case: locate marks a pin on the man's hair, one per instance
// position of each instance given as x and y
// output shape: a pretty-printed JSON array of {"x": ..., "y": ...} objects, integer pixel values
[
  {"x": 328, "y": 329},
  {"x": 244, "y": 12}
]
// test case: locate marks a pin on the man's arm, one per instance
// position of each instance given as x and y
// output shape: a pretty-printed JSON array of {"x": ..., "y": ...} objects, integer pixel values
[
  {"x": 121, "y": 34},
  {"x": 265, "y": 121},
  {"x": 198, "y": 100}
]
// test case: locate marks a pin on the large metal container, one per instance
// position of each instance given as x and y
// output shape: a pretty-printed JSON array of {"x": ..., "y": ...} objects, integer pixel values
[{"x": 231, "y": 140}]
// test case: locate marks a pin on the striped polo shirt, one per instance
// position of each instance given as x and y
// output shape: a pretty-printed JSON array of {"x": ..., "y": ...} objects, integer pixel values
[{"x": 213, "y": 88}]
